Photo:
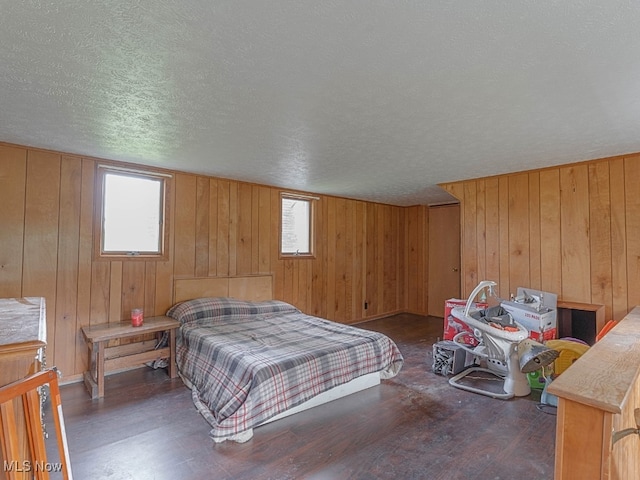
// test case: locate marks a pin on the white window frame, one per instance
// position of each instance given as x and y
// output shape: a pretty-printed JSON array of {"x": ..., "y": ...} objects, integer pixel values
[
  {"x": 99, "y": 224},
  {"x": 287, "y": 196}
]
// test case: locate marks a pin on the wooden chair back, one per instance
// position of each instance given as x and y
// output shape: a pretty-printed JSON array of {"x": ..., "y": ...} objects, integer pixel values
[{"x": 28, "y": 391}]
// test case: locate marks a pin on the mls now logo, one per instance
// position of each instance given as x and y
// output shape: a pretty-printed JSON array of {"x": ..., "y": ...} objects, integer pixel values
[{"x": 28, "y": 466}]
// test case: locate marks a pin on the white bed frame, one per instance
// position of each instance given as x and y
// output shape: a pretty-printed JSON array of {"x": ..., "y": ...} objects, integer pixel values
[
  {"x": 260, "y": 288},
  {"x": 355, "y": 385}
]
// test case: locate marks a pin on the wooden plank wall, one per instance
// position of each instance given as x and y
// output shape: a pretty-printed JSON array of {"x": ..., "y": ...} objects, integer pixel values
[
  {"x": 573, "y": 230},
  {"x": 366, "y": 252}
]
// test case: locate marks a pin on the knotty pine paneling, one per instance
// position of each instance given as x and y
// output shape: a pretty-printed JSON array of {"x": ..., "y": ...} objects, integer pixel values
[
  {"x": 573, "y": 230},
  {"x": 331, "y": 228},
  {"x": 66, "y": 319},
  {"x": 233, "y": 228},
  {"x": 481, "y": 229},
  {"x": 222, "y": 235},
  {"x": 469, "y": 234},
  {"x": 318, "y": 305},
  {"x": 41, "y": 224},
  {"x": 402, "y": 260},
  {"x": 632, "y": 203},
  {"x": 203, "y": 191},
  {"x": 491, "y": 229},
  {"x": 357, "y": 254},
  {"x": 519, "y": 251},
  {"x": 600, "y": 233},
  {"x": 535, "y": 274},
  {"x": 575, "y": 192},
  {"x": 504, "y": 284},
  {"x": 618, "y": 240},
  {"x": 417, "y": 254},
  {"x": 13, "y": 175},
  {"x": 85, "y": 245},
  {"x": 185, "y": 241},
  {"x": 550, "y": 232},
  {"x": 364, "y": 252}
]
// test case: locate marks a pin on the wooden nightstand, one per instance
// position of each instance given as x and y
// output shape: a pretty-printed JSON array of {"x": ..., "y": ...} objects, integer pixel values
[{"x": 103, "y": 358}]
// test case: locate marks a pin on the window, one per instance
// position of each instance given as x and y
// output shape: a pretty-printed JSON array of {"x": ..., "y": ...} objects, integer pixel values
[
  {"x": 296, "y": 226},
  {"x": 132, "y": 213}
]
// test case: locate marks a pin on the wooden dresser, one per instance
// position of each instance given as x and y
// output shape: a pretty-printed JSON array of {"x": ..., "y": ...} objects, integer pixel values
[
  {"x": 23, "y": 334},
  {"x": 597, "y": 397},
  {"x": 23, "y": 330}
]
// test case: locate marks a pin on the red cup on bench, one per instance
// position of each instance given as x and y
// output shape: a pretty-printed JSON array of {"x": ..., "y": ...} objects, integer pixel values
[{"x": 137, "y": 317}]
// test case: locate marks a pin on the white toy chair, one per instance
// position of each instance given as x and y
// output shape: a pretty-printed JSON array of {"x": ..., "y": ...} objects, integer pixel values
[{"x": 507, "y": 353}]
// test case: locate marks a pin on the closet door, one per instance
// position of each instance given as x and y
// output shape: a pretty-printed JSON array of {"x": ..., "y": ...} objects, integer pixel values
[{"x": 444, "y": 256}]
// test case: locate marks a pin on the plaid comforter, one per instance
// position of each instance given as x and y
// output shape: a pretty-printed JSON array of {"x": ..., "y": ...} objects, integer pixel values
[{"x": 246, "y": 362}]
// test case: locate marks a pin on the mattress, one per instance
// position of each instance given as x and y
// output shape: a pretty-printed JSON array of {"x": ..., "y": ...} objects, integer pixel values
[{"x": 246, "y": 362}]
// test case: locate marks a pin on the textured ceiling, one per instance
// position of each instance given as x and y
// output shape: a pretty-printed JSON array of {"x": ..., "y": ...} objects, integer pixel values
[{"x": 377, "y": 100}]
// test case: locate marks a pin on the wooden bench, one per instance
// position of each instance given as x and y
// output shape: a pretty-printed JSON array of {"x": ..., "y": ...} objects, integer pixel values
[{"x": 103, "y": 359}]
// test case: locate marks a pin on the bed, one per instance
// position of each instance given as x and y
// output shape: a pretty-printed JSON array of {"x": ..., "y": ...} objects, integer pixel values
[{"x": 251, "y": 360}]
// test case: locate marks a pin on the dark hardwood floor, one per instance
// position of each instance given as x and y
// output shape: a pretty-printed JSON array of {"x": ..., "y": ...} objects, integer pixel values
[{"x": 414, "y": 426}]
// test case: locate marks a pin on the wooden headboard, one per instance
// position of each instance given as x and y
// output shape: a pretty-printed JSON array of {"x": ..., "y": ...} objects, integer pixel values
[{"x": 247, "y": 287}]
